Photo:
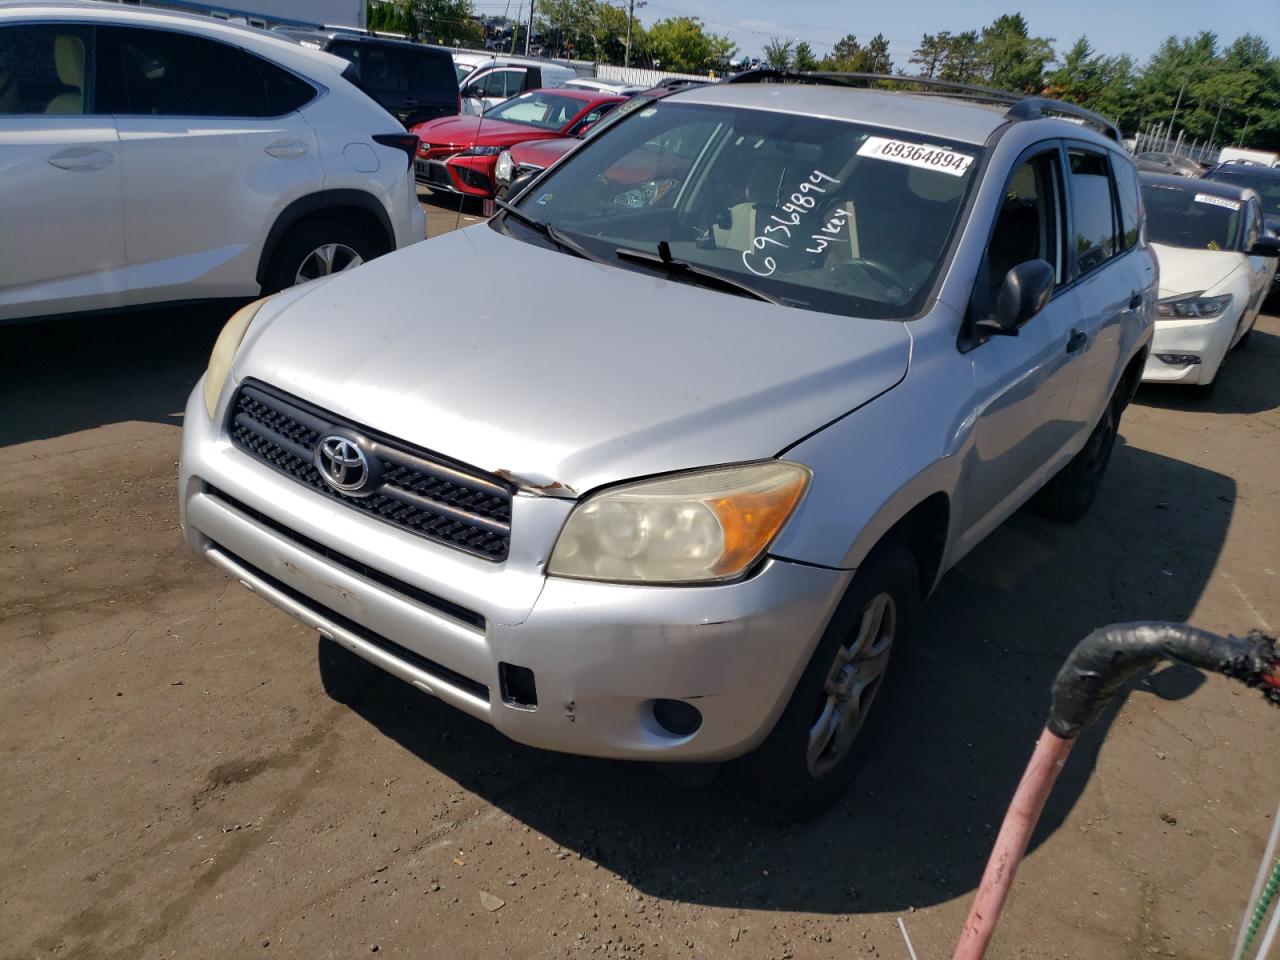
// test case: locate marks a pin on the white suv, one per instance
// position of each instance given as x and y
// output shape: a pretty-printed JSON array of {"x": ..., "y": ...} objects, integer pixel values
[{"x": 151, "y": 157}]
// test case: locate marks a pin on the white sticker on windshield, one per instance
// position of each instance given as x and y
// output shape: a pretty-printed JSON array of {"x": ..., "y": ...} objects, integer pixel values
[
  {"x": 1217, "y": 201},
  {"x": 916, "y": 155}
]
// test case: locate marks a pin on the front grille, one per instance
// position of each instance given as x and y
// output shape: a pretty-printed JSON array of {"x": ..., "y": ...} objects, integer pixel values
[
  {"x": 418, "y": 491},
  {"x": 432, "y": 173}
]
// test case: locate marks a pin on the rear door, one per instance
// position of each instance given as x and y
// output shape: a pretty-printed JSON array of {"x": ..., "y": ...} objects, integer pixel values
[
  {"x": 212, "y": 147},
  {"x": 61, "y": 221},
  {"x": 1110, "y": 280},
  {"x": 1023, "y": 384}
]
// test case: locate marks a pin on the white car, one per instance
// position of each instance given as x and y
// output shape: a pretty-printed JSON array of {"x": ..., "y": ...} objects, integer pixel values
[
  {"x": 1215, "y": 269},
  {"x": 486, "y": 79},
  {"x": 150, "y": 157}
]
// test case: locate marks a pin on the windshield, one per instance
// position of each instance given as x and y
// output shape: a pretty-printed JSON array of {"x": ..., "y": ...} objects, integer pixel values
[
  {"x": 1267, "y": 187},
  {"x": 1187, "y": 217},
  {"x": 463, "y": 71},
  {"x": 546, "y": 111},
  {"x": 816, "y": 213}
]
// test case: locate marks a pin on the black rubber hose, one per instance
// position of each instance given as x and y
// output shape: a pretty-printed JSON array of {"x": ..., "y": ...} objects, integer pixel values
[{"x": 1106, "y": 659}]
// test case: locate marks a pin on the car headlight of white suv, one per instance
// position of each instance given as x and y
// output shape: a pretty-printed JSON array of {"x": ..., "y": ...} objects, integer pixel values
[
  {"x": 706, "y": 525},
  {"x": 224, "y": 351},
  {"x": 1192, "y": 305}
]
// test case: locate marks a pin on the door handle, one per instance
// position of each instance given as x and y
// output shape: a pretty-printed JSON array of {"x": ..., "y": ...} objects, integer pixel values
[
  {"x": 1135, "y": 300},
  {"x": 287, "y": 149},
  {"x": 1077, "y": 340},
  {"x": 82, "y": 159}
]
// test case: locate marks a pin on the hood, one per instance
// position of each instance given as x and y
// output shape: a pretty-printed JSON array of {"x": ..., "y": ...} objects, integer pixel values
[
  {"x": 1185, "y": 270},
  {"x": 543, "y": 153},
  {"x": 477, "y": 131},
  {"x": 531, "y": 363}
]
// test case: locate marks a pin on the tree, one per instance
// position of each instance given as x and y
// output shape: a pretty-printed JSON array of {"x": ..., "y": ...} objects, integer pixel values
[
  {"x": 440, "y": 21},
  {"x": 931, "y": 53},
  {"x": 682, "y": 45},
  {"x": 804, "y": 58},
  {"x": 777, "y": 53},
  {"x": 846, "y": 49},
  {"x": 1011, "y": 58},
  {"x": 960, "y": 58},
  {"x": 876, "y": 56},
  {"x": 1103, "y": 84}
]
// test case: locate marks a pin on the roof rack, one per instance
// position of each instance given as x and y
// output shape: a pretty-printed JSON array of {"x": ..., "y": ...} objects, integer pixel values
[{"x": 1020, "y": 107}]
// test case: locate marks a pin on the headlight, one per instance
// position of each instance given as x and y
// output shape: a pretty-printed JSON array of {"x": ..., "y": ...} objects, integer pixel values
[
  {"x": 702, "y": 526},
  {"x": 481, "y": 152},
  {"x": 224, "y": 351},
  {"x": 502, "y": 172},
  {"x": 1192, "y": 306}
]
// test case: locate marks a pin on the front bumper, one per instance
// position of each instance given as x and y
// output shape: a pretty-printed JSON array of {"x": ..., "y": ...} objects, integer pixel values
[
  {"x": 446, "y": 622},
  {"x": 465, "y": 176},
  {"x": 1208, "y": 339}
]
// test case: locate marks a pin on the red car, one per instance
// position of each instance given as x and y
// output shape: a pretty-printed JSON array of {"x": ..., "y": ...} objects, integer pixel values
[{"x": 458, "y": 154}]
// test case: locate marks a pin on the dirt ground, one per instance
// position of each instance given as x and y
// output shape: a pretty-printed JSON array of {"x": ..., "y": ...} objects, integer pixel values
[{"x": 177, "y": 784}]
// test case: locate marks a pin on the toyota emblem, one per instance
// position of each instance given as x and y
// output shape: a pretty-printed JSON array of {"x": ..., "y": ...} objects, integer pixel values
[{"x": 342, "y": 463}]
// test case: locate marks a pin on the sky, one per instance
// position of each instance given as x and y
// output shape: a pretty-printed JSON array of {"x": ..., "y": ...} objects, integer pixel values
[{"x": 1135, "y": 27}]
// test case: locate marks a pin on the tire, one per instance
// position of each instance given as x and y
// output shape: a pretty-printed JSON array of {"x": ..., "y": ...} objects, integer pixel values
[
  {"x": 796, "y": 773},
  {"x": 1070, "y": 493},
  {"x": 300, "y": 256}
]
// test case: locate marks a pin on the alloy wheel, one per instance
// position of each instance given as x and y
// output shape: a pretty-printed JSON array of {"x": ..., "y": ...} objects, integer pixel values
[
  {"x": 325, "y": 260},
  {"x": 851, "y": 685}
]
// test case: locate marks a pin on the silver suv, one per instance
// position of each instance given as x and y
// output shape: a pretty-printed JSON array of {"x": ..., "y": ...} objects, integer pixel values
[{"x": 665, "y": 461}]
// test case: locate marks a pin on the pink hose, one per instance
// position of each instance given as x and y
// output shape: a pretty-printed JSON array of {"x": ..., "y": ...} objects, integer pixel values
[{"x": 1019, "y": 823}]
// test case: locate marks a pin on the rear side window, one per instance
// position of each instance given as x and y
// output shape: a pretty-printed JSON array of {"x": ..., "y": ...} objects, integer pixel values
[
  {"x": 1130, "y": 205},
  {"x": 161, "y": 73},
  {"x": 1092, "y": 212},
  {"x": 46, "y": 69}
]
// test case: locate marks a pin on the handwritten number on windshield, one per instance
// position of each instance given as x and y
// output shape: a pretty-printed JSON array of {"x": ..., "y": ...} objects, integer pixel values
[{"x": 798, "y": 205}]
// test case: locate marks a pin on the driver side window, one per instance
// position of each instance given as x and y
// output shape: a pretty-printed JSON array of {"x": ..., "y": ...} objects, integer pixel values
[{"x": 1028, "y": 226}]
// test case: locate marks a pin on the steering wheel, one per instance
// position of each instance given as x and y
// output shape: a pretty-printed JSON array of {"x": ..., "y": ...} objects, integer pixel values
[{"x": 880, "y": 271}]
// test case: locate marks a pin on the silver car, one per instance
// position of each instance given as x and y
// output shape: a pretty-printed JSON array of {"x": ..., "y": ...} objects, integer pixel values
[{"x": 660, "y": 462}]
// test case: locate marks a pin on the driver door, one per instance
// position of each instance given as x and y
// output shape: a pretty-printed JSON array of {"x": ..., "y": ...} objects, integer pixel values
[{"x": 1023, "y": 384}]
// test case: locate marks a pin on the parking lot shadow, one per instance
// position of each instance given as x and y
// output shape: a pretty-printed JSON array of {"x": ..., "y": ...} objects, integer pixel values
[
  {"x": 1247, "y": 382},
  {"x": 916, "y": 827},
  {"x": 62, "y": 376}
]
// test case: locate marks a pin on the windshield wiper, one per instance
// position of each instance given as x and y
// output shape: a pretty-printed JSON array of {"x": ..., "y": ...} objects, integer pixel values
[
  {"x": 710, "y": 278},
  {"x": 550, "y": 232}
]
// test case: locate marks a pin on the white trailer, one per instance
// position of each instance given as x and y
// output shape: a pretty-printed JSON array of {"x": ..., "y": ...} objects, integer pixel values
[{"x": 1262, "y": 158}]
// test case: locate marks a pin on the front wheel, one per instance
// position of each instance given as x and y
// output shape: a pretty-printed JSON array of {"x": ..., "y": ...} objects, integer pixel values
[
  {"x": 1069, "y": 495},
  {"x": 810, "y": 757}
]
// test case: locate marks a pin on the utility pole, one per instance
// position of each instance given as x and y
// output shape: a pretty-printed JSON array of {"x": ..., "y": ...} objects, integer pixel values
[
  {"x": 1215, "y": 121},
  {"x": 1181, "y": 90},
  {"x": 528, "y": 34},
  {"x": 631, "y": 14}
]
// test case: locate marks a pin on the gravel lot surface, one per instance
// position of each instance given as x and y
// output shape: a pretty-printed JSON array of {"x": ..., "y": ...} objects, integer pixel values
[{"x": 177, "y": 783}]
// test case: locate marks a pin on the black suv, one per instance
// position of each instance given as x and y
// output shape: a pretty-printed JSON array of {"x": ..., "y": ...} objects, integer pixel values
[{"x": 413, "y": 81}]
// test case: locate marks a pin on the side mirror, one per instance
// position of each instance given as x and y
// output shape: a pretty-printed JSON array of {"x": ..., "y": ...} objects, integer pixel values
[
  {"x": 1265, "y": 247},
  {"x": 518, "y": 184},
  {"x": 1023, "y": 294}
]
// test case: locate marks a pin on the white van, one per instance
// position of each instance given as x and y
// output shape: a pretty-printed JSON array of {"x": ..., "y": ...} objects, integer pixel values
[
  {"x": 485, "y": 80},
  {"x": 1260, "y": 158}
]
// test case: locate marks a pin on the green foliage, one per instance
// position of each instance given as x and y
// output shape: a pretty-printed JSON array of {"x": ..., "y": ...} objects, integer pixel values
[
  {"x": 1232, "y": 87},
  {"x": 683, "y": 45},
  {"x": 804, "y": 58},
  {"x": 434, "y": 21},
  {"x": 851, "y": 56},
  {"x": 777, "y": 53}
]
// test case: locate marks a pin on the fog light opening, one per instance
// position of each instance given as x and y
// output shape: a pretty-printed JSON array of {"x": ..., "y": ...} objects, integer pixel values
[
  {"x": 1178, "y": 359},
  {"x": 676, "y": 717},
  {"x": 518, "y": 688}
]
